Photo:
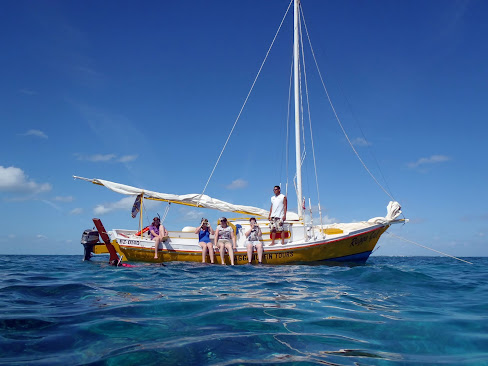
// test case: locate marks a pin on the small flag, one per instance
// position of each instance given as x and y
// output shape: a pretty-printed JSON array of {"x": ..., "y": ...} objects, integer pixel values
[{"x": 136, "y": 207}]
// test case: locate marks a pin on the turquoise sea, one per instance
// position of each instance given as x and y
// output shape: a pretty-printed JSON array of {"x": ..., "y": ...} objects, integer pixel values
[{"x": 58, "y": 310}]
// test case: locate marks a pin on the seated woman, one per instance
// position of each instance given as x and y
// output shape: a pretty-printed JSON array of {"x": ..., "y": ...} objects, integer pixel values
[
  {"x": 225, "y": 238},
  {"x": 204, "y": 231},
  {"x": 158, "y": 232},
  {"x": 253, "y": 240}
]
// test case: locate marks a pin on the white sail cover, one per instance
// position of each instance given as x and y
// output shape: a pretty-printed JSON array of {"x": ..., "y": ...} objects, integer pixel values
[
  {"x": 393, "y": 211},
  {"x": 192, "y": 199}
]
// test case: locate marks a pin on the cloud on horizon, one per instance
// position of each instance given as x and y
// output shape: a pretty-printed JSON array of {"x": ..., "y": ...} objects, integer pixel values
[
  {"x": 76, "y": 211},
  {"x": 64, "y": 199},
  {"x": 97, "y": 158},
  {"x": 360, "y": 141},
  {"x": 28, "y": 91},
  {"x": 237, "y": 184},
  {"x": 56, "y": 207},
  {"x": 14, "y": 180},
  {"x": 125, "y": 203},
  {"x": 434, "y": 159},
  {"x": 122, "y": 204},
  {"x": 475, "y": 217},
  {"x": 37, "y": 133},
  {"x": 127, "y": 158}
]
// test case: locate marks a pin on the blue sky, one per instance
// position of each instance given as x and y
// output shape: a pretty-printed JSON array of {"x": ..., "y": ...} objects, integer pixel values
[{"x": 145, "y": 94}]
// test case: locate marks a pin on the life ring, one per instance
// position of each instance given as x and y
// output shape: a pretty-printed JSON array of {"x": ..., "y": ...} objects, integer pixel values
[{"x": 143, "y": 231}]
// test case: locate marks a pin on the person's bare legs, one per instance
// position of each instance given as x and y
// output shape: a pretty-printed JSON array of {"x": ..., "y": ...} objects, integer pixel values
[
  {"x": 231, "y": 252},
  {"x": 204, "y": 251},
  {"x": 211, "y": 252},
  {"x": 222, "y": 252},
  {"x": 157, "y": 240},
  {"x": 260, "y": 250},
  {"x": 273, "y": 236},
  {"x": 249, "y": 252}
]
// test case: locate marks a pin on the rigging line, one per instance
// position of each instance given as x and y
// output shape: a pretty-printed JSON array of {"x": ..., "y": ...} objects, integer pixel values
[
  {"x": 370, "y": 150},
  {"x": 245, "y": 101},
  {"x": 310, "y": 119},
  {"x": 338, "y": 119},
  {"x": 166, "y": 212},
  {"x": 420, "y": 245}
]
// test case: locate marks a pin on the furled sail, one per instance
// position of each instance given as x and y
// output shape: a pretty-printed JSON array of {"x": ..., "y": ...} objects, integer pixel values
[{"x": 193, "y": 199}]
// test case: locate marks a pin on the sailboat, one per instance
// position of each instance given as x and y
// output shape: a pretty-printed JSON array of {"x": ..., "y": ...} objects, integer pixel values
[{"x": 304, "y": 241}]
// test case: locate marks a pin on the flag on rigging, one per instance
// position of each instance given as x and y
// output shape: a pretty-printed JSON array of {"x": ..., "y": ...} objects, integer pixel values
[{"x": 136, "y": 206}]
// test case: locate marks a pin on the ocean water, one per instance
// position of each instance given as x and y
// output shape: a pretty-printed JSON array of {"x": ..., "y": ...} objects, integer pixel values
[{"x": 58, "y": 310}]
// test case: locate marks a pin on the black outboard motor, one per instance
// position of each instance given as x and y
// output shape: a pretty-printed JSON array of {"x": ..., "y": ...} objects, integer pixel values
[{"x": 89, "y": 238}]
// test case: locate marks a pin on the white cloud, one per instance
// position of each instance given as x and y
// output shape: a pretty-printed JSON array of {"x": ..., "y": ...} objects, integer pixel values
[
  {"x": 28, "y": 91},
  {"x": 13, "y": 179},
  {"x": 64, "y": 199},
  {"x": 37, "y": 133},
  {"x": 56, "y": 207},
  {"x": 237, "y": 184},
  {"x": 87, "y": 71},
  {"x": 123, "y": 204},
  {"x": 434, "y": 159},
  {"x": 41, "y": 237},
  {"x": 192, "y": 215},
  {"x": 326, "y": 220},
  {"x": 127, "y": 158},
  {"x": 96, "y": 157},
  {"x": 76, "y": 211},
  {"x": 360, "y": 141}
]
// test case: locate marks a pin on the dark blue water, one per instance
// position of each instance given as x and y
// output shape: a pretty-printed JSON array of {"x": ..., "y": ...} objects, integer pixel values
[{"x": 58, "y": 310}]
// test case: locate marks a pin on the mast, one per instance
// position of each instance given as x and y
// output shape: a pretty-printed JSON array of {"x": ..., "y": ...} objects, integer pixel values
[{"x": 297, "y": 105}]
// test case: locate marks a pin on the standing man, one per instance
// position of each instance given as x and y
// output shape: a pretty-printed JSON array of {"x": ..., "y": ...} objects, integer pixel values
[{"x": 277, "y": 214}]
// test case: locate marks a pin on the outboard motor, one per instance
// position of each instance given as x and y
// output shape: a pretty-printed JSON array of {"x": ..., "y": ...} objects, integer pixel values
[{"x": 89, "y": 238}]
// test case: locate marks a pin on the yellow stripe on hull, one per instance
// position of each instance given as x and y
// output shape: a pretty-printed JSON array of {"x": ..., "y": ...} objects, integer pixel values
[
  {"x": 338, "y": 249},
  {"x": 101, "y": 248}
]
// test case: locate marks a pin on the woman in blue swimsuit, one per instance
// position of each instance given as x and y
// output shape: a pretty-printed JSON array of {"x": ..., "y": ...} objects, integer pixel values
[{"x": 204, "y": 231}]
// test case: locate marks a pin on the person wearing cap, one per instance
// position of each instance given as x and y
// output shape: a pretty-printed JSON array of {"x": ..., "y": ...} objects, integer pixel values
[
  {"x": 158, "y": 232},
  {"x": 204, "y": 231},
  {"x": 277, "y": 214},
  {"x": 225, "y": 239},
  {"x": 253, "y": 241}
]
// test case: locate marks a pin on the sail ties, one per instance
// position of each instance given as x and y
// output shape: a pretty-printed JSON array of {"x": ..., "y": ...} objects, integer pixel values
[{"x": 245, "y": 101}]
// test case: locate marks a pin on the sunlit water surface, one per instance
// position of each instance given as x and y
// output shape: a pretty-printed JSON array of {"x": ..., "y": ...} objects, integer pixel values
[{"x": 58, "y": 310}]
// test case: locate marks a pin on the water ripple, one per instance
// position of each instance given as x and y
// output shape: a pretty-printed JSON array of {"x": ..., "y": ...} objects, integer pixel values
[{"x": 62, "y": 311}]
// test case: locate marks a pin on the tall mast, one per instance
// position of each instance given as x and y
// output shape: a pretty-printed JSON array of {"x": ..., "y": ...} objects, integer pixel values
[{"x": 297, "y": 107}]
